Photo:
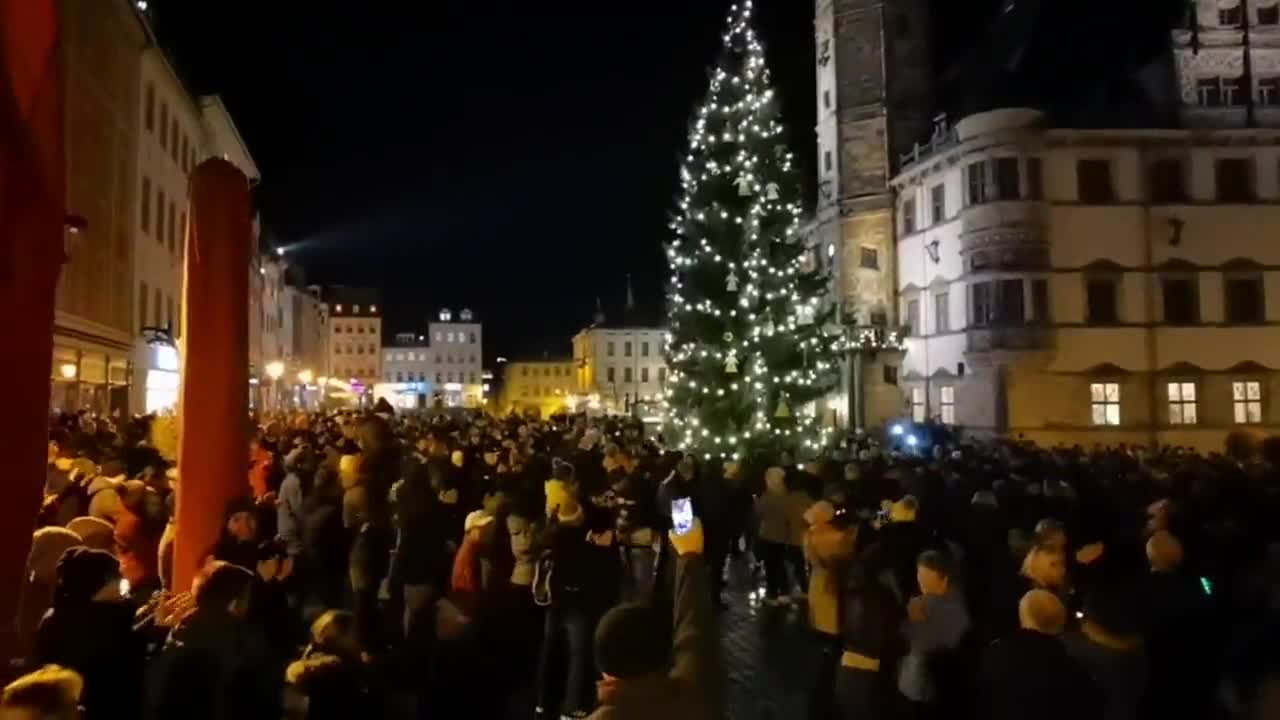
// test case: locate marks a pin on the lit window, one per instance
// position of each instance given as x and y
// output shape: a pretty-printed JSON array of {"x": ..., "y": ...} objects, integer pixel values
[
  {"x": 373, "y": 308},
  {"x": 355, "y": 308},
  {"x": 1246, "y": 401},
  {"x": 644, "y": 374},
  {"x": 1182, "y": 403},
  {"x": 1104, "y": 400},
  {"x": 917, "y": 405},
  {"x": 947, "y": 401},
  {"x": 626, "y": 375},
  {"x": 338, "y": 308}
]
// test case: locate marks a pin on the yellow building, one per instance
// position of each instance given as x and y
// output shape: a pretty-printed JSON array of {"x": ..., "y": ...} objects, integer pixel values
[{"x": 542, "y": 387}]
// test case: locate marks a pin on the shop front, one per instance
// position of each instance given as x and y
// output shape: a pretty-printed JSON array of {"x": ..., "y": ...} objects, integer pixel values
[{"x": 91, "y": 378}]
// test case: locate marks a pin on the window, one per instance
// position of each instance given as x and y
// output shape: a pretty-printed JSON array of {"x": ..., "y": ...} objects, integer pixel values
[
  {"x": 644, "y": 375},
  {"x": 938, "y": 203},
  {"x": 1100, "y": 299},
  {"x": 1035, "y": 178},
  {"x": 1012, "y": 309},
  {"x": 524, "y": 371},
  {"x": 146, "y": 205},
  {"x": 1180, "y": 302},
  {"x": 1220, "y": 91},
  {"x": 173, "y": 225},
  {"x": 472, "y": 338},
  {"x": 917, "y": 405},
  {"x": 644, "y": 349},
  {"x": 626, "y": 375},
  {"x": 182, "y": 233},
  {"x": 1006, "y": 185},
  {"x": 826, "y": 161},
  {"x": 942, "y": 312},
  {"x": 471, "y": 378},
  {"x": 912, "y": 319},
  {"x": 826, "y": 99},
  {"x": 1269, "y": 87},
  {"x": 168, "y": 311},
  {"x": 610, "y": 374},
  {"x": 662, "y": 375},
  {"x": 173, "y": 139},
  {"x": 156, "y": 310},
  {"x": 976, "y": 182},
  {"x": 360, "y": 329},
  {"x": 1230, "y": 16},
  {"x": 1104, "y": 402},
  {"x": 149, "y": 108},
  {"x": 1246, "y": 401},
  {"x": 869, "y": 258},
  {"x": 546, "y": 372},
  {"x": 400, "y": 377},
  {"x": 1182, "y": 403},
  {"x": 1269, "y": 15},
  {"x": 1233, "y": 179},
  {"x": 610, "y": 350},
  {"x": 1244, "y": 301},
  {"x": 164, "y": 126},
  {"x": 142, "y": 306},
  {"x": 983, "y": 310},
  {"x": 160, "y": 206},
  {"x": 626, "y": 349},
  {"x": 908, "y": 216},
  {"x": 1093, "y": 181},
  {"x": 1040, "y": 300},
  {"x": 1167, "y": 181},
  {"x": 947, "y": 402},
  {"x": 440, "y": 379}
]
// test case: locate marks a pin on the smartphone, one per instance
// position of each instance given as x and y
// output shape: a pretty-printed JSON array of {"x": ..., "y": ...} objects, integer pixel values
[
  {"x": 1206, "y": 585},
  {"x": 124, "y": 588},
  {"x": 681, "y": 515}
]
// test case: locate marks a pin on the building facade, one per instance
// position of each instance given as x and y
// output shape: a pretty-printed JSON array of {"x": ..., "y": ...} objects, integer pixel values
[
  {"x": 874, "y": 94},
  {"x": 354, "y": 337},
  {"x": 541, "y": 387},
  {"x": 94, "y": 311},
  {"x": 1227, "y": 64},
  {"x": 617, "y": 367},
  {"x": 407, "y": 372},
  {"x": 456, "y": 355},
  {"x": 1092, "y": 285}
]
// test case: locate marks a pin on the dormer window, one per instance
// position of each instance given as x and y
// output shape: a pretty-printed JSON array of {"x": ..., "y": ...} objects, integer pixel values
[
  {"x": 1269, "y": 14},
  {"x": 1230, "y": 17},
  {"x": 1220, "y": 91}
]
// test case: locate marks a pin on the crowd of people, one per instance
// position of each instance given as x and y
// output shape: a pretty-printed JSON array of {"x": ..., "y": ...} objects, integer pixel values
[{"x": 405, "y": 565}]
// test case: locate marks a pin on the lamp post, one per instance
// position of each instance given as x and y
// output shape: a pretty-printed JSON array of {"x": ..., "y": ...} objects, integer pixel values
[
  {"x": 275, "y": 371},
  {"x": 304, "y": 378}
]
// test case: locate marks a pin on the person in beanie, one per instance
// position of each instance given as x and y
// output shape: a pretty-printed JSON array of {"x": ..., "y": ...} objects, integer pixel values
[
  {"x": 330, "y": 674},
  {"x": 641, "y": 676},
  {"x": 89, "y": 629}
]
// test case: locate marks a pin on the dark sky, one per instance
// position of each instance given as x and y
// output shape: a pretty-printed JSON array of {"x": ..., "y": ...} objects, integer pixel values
[{"x": 516, "y": 158}]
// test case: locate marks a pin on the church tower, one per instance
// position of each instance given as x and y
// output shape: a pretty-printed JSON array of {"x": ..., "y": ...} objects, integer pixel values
[{"x": 875, "y": 99}]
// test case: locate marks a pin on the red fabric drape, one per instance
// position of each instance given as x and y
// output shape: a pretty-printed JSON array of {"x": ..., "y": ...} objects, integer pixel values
[
  {"x": 213, "y": 447},
  {"x": 32, "y": 213}
]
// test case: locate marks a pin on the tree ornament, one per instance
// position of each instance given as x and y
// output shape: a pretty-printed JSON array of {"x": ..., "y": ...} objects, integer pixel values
[
  {"x": 731, "y": 282},
  {"x": 771, "y": 191},
  {"x": 784, "y": 410},
  {"x": 744, "y": 186},
  {"x": 731, "y": 362},
  {"x": 769, "y": 327},
  {"x": 728, "y": 337},
  {"x": 804, "y": 314},
  {"x": 780, "y": 152}
]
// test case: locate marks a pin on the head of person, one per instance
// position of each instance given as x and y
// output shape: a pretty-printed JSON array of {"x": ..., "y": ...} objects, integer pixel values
[
  {"x": 50, "y": 693},
  {"x": 1042, "y": 611},
  {"x": 686, "y": 467},
  {"x": 84, "y": 576},
  {"x": 1045, "y": 566},
  {"x": 223, "y": 588},
  {"x": 1051, "y": 533},
  {"x": 1164, "y": 552},
  {"x": 935, "y": 572},
  {"x": 904, "y": 510},
  {"x": 852, "y": 472},
  {"x": 334, "y": 632},
  {"x": 775, "y": 480},
  {"x": 629, "y": 643},
  {"x": 241, "y": 521}
]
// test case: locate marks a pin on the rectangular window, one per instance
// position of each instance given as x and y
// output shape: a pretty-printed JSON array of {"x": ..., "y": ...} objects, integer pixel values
[
  {"x": 182, "y": 233},
  {"x": 1234, "y": 179},
  {"x": 644, "y": 349},
  {"x": 1246, "y": 402},
  {"x": 1182, "y": 403},
  {"x": 157, "y": 309},
  {"x": 982, "y": 306},
  {"x": 1012, "y": 309},
  {"x": 173, "y": 139},
  {"x": 869, "y": 258},
  {"x": 149, "y": 108},
  {"x": 610, "y": 374},
  {"x": 644, "y": 375},
  {"x": 142, "y": 306},
  {"x": 917, "y": 405},
  {"x": 164, "y": 126},
  {"x": 1035, "y": 178},
  {"x": 1230, "y": 16},
  {"x": 908, "y": 216},
  {"x": 1180, "y": 302},
  {"x": 942, "y": 312},
  {"x": 173, "y": 225},
  {"x": 1269, "y": 15},
  {"x": 976, "y": 182},
  {"x": 1167, "y": 181},
  {"x": 168, "y": 311},
  {"x": 1040, "y": 300},
  {"x": 912, "y": 319},
  {"x": 1006, "y": 185},
  {"x": 1269, "y": 87},
  {"x": 610, "y": 349},
  {"x": 1104, "y": 403},
  {"x": 826, "y": 161},
  {"x": 146, "y": 204},
  {"x": 1209, "y": 92},
  {"x": 626, "y": 375},
  {"x": 947, "y": 404},
  {"x": 1244, "y": 299},
  {"x": 1100, "y": 300},
  {"x": 160, "y": 206},
  {"x": 826, "y": 99},
  {"x": 626, "y": 348},
  {"x": 938, "y": 203},
  {"x": 662, "y": 375},
  {"x": 890, "y": 374},
  {"x": 1093, "y": 181}
]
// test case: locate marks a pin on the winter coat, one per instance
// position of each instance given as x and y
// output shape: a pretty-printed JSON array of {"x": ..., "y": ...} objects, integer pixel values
[
  {"x": 869, "y": 617},
  {"x": 1118, "y": 669},
  {"x": 97, "y": 640},
  {"x": 138, "y": 548},
  {"x": 289, "y": 513},
  {"x": 1028, "y": 674},
  {"x": 335, "y": 688},
  {"x": 827, "y": 548},
  {"x": 773, "y": 509},
  {"x": 939, "y": 635}
]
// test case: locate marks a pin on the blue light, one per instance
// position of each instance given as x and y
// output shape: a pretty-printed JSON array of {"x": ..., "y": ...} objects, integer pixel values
[
  {"x": 911, "y": 440},
  {"x": 896, "y": 430}
]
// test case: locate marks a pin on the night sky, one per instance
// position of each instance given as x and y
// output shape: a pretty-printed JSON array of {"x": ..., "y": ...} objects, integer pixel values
[{"x": 515, "y": 158}]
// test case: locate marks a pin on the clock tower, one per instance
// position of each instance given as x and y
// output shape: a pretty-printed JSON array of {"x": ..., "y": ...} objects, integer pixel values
[{"x": 875, "y": 101}]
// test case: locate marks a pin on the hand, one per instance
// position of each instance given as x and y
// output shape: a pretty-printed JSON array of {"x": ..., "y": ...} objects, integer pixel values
[
  {"x": 1089, "y": 553},
  {"x": 286, "y": 568},
  {"x": 269, "y": 499},
  {"x": 916, "y": 612},
  {"x": 604, "y": 539},
  {"x": 384, "y": 590},
  {"x": 172, "y": 609},
  {"x": 690, "y": 543},
  {"x": 268, "y": 569}
]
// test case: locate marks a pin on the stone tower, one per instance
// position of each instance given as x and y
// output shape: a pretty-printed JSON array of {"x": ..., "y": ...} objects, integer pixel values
[{"x": 874, "y": 101}]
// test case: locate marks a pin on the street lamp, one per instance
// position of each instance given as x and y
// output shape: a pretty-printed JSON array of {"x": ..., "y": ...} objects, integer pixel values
[
  {"x": 275, "y": 370},
  {"x": 68, "y": 371},
  {"x": 305, "y": 377}
]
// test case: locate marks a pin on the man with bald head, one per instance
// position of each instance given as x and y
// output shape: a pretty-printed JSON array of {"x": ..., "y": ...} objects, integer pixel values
[{"x": 1028, "y": 674}]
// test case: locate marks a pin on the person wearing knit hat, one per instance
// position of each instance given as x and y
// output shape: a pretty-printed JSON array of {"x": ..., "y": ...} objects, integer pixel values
[{"x": 95, "y": 532}]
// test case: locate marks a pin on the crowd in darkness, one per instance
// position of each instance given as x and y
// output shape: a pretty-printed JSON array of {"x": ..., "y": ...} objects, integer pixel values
[{"x": 449, "y": 566}]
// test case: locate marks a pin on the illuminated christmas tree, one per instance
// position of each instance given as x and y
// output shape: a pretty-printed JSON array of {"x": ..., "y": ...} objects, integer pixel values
[{"x": 750, "y": 344}]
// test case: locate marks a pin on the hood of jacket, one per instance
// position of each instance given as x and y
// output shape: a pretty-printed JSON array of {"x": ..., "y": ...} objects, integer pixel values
[{"x": 319, "y": 669}]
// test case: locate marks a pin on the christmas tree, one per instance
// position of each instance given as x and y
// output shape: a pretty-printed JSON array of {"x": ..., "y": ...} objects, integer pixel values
[{"x": 750, "y": 345}]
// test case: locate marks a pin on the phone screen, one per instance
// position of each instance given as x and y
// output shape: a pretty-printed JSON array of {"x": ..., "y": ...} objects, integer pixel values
[{"x": 681, "y": 515}]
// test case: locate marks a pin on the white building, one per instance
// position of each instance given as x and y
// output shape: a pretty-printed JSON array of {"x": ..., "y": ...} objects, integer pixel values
[
  {"x": 1227, "y": 61},
  {"x": 619, "y": 366},
  {"x": 456, "y": 358}
]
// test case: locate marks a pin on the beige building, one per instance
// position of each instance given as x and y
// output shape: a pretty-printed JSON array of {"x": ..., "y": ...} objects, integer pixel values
[
  {"x": 618, "y": 366},
  {"x": 1086, "y": 286},
  {"x": 354, "y": 338},
  {"x": 456, "y": 358},
  {"x": 94, "y": 318},
  {"x": 540, "y": 387}
]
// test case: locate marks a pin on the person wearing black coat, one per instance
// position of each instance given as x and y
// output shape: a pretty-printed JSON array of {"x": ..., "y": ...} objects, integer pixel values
[{"x": 870, "y": 618}]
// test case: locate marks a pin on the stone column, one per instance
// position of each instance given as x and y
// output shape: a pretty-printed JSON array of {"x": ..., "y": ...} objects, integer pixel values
[
  {"x": 32, "y": 220},
  {"x": 213, "y": 446}
]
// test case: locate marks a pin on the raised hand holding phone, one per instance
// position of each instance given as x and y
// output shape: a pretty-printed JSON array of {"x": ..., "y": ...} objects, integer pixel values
[{"x": 681, "y": 515}]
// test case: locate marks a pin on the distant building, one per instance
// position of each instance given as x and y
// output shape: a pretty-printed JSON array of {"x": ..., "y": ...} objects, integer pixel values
[
  {"x": 1227, "y": 64},
  {"x": 407, "y": 372},
  {"x": 541, "y": 387},
  {"x": 456, "y": 357},
  {"x": 354, "y": 337},
  {"x": 618, "y": 366}
]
